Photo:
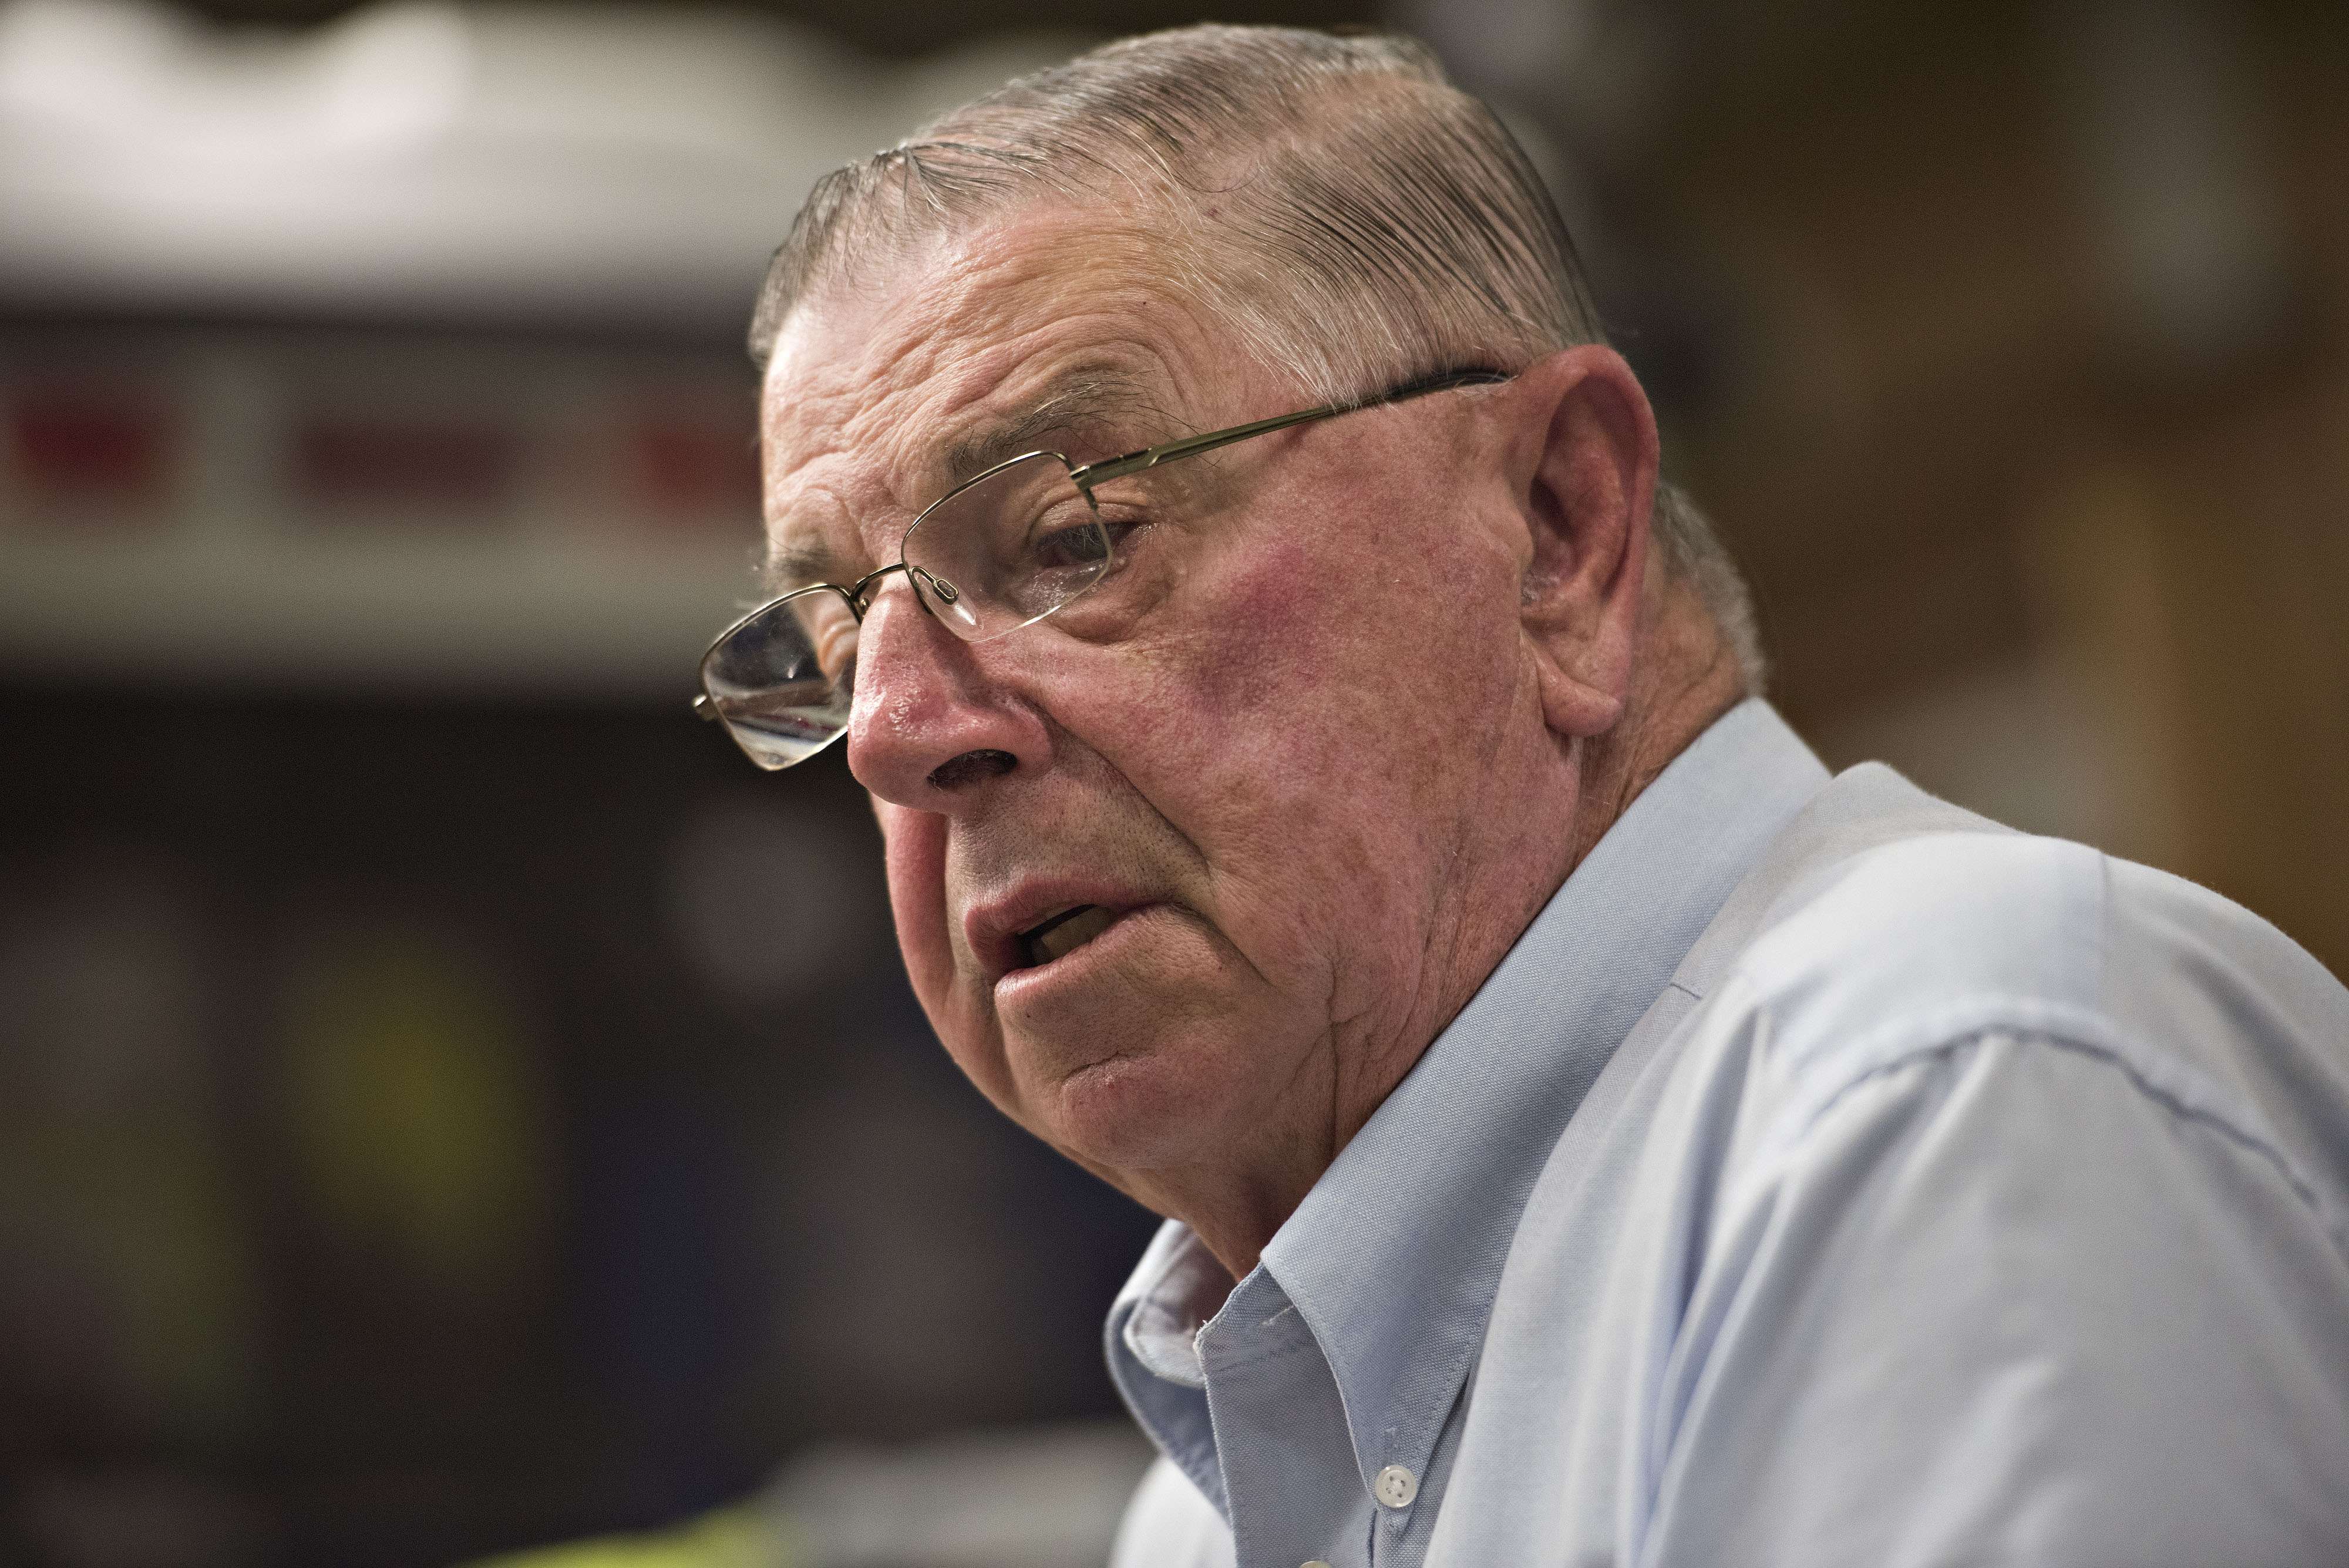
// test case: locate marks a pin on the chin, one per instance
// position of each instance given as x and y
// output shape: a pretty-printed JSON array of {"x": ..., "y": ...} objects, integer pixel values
[{"x": 1172, "y": 1103}]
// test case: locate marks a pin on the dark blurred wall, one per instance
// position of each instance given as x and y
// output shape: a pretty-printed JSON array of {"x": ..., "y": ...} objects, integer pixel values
[
  {"x": 435, "y": 1125},
  {"x": 2008, "y": 346}
]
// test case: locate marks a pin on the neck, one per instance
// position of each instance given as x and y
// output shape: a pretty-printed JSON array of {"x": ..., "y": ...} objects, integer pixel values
[{"x": 1690, "y": 680}]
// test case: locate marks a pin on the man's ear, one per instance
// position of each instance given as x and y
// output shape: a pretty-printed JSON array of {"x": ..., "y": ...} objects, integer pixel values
[{"x": 1582, "y": 468}]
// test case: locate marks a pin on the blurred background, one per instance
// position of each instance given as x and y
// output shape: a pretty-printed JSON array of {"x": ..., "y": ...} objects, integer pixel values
[{"x": 449, "y": 1103}]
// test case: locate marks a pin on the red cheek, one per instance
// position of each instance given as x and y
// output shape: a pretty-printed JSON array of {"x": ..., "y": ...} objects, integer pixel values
[
  {"x": 1270, "y": 627},
  {"x": 916, "y": 851}
]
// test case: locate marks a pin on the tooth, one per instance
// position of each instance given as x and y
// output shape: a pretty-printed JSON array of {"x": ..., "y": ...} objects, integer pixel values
[{"x": 1074, "y": 932}]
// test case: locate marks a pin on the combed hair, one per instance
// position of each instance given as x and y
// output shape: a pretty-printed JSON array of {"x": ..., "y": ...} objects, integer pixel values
[{"x": 1355, "y": 220}]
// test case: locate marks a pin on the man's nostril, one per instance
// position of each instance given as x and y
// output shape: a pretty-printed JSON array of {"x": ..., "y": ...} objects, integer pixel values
[{"x": 970, "y": 768}]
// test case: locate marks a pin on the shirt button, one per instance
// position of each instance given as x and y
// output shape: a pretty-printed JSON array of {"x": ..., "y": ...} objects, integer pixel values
[
  {"x": 1395, "y": 1487},
  {"x": 1317, "y": 1563}
]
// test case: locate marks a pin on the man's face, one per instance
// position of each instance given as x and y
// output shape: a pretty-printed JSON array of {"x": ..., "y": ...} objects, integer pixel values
[{"x": 1274, "y": 782}]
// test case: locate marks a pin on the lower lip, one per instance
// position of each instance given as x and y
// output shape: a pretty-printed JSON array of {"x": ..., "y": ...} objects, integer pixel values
[{"x": 1072, "y": 967}]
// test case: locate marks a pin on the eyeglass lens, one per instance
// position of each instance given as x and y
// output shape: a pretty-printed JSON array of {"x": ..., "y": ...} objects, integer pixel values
[
  {"x": 783, "y": 679},
  {"x": 1009, "y": 548}
]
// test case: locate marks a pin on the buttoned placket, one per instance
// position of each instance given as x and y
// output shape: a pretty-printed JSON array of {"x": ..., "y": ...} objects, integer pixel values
[
  {"x": 1290, "y": 1479},
  {"x": 1295, "y": 1488}
]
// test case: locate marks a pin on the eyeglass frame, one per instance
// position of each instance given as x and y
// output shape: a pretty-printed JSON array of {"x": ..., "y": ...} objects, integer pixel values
[{"x": 1084, "y": 477}]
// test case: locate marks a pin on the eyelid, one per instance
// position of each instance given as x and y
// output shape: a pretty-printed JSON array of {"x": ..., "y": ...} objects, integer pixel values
[
  {"x": 788, "y": 573},
  {"x": 1159, "y": 488},
  {"x": 805, "y": 538}
]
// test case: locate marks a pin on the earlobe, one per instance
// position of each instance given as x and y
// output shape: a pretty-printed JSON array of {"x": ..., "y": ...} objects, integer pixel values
[
  {"x": 1583, "y": 468},
  {"x": 1573, "y": 705}
]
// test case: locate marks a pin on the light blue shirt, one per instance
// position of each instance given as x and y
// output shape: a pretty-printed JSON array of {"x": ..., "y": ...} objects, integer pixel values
[{"x": 1827, "y": 1176}]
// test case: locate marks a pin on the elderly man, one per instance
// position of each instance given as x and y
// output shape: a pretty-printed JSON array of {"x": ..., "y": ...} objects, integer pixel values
[{"x": 1327, "y": 796}]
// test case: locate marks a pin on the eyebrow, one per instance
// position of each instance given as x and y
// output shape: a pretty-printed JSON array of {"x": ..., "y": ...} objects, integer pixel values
[
  {"x": 800, "y": 565},
  {"x": 1085, "y": 400}
]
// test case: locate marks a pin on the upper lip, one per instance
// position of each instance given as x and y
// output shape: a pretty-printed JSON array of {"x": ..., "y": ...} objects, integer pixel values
[{"x": 992, "y": 926}]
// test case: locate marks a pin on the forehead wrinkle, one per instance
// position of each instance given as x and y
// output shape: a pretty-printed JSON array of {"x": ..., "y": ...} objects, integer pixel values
[
  {"x": 1085, "y": 401},
  {"x": 1080, "y": 404},
  {"x": 821, "y": 483},
  {"x": 1063, "y": 289},
  {"x": 796, "y": 557},
  {"x": 880, "y": 381}
]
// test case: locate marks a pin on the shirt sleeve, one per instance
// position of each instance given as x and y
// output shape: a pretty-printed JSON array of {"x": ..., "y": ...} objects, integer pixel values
[
  {"x": 1169, "y": 1524},
  {"x": 2003, "y": 1303}
]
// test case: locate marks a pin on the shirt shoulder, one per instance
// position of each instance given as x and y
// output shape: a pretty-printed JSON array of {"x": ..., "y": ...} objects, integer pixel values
[
  {"x": 1904, "y": 934},
  {"x": 1918, "y": 945},
  {"x": 2048, "y": 1143},
  {"x": 1956, "y": 1164}
]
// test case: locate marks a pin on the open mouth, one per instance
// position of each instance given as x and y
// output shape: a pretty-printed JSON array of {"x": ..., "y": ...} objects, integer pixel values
[{"x": 1063, "y": 933}]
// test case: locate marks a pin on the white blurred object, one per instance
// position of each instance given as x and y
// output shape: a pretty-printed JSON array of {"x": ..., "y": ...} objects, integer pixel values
[
  {"x": 424, "y": 158},
  {"x": 2016, "y": 741},
  {"x": 555, "y": 564},
  {"x": 1041, "y": 1497},
  {"x": 356, "y": 502}
]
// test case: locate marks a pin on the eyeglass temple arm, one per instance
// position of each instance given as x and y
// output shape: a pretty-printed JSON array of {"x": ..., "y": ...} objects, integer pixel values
[{"x": 1150, "y": 457}]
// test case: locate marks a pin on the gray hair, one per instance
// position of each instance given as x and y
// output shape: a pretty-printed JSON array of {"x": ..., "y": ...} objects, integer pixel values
[{"x": 1293, "y": 180}]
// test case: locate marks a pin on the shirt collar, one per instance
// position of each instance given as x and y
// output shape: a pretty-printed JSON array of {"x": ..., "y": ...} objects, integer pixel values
[{"x": 1394, "y": 1256}]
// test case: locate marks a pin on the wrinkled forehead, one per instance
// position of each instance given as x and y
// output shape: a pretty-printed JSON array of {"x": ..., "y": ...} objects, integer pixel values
[{"x": 1046, "y": 329}]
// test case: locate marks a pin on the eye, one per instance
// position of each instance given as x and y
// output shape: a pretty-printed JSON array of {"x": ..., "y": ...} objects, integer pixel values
[
  {"x": 1069, "y": 541},
  {"x": 1124, "y": 530},
  {"x": 1128, "y": 506}
]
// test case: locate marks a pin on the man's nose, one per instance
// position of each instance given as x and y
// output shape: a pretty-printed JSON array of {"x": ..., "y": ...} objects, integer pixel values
[{"x": 928, "y": 729}]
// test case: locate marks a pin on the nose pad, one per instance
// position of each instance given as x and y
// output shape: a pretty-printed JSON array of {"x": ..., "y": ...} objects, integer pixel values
[{"x": 942, "y": 599}]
